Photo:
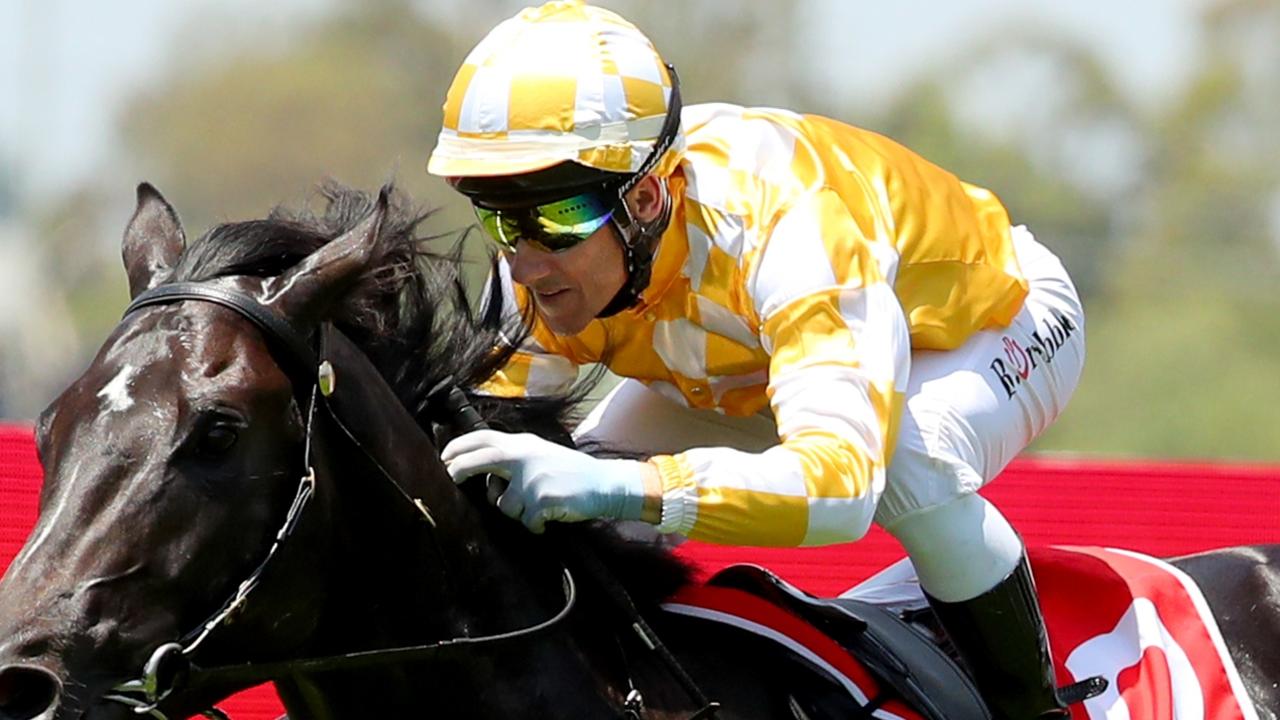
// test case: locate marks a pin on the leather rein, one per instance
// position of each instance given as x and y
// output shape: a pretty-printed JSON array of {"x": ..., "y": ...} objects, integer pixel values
[{"x": 171, "y": 667}]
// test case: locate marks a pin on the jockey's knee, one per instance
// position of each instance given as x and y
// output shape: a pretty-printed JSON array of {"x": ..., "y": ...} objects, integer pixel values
[{"x": 960, "y": 547}]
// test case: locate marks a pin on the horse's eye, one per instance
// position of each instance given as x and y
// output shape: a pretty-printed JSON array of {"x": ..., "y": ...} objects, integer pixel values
[{"x": 218, "y": 439}]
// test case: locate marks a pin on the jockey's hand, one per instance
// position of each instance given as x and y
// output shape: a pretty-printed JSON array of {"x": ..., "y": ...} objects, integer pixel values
[{"x": 549, "y": 481}]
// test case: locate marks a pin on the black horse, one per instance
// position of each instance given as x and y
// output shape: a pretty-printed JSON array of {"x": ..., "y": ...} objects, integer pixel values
[{"x": 245, "y": 485}]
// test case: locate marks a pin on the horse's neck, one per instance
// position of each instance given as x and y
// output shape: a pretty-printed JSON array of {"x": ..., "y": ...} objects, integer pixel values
[
  {"x": 411, "y": 531},
  {"x": 405, "y": 578}
]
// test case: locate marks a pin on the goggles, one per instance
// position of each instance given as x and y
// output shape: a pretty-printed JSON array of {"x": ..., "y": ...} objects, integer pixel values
[{"x": 553, "y": 227}]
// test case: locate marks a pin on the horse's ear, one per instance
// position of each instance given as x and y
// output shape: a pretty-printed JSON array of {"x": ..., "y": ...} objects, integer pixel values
[
  {"x": 153, "y": 241},
  {"x": 307, "y": 291}
]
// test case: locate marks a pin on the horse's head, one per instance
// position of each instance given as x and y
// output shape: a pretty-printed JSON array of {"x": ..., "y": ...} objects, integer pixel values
[{"x": 170, "y": 464}]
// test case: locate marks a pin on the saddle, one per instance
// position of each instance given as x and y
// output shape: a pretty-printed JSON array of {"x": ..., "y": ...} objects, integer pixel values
[{"x": 900, "y": 656}]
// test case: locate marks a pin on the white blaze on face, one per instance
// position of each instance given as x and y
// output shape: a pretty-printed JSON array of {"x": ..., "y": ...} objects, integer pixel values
[{"x": 115, "y": 394}]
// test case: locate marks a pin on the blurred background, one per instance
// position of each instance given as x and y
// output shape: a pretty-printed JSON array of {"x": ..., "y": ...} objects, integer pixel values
[{"x": 1140, "y": 140}]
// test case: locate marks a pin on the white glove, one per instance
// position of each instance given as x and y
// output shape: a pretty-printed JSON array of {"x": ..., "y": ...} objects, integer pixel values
[{"x": 548, "y": 481}]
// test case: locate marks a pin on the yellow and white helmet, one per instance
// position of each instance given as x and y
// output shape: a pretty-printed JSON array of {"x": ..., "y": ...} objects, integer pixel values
[{"x": 564, "y": 82}]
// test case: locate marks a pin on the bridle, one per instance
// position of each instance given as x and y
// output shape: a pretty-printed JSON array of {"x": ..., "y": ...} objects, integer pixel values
[{"x": 171, "y": 666}]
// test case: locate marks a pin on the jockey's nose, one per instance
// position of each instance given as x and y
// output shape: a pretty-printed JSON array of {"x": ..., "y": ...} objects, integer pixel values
[
  {"x": 530, "y": 264},
  {"x": 28, "y": 692}
]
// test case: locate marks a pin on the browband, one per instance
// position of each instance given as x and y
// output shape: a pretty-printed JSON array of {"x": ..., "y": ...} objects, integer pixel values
[{"x": 277, "y": 329}]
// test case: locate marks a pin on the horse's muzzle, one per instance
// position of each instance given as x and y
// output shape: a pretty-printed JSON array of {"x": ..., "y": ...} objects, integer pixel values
[{"x": 28, "y": 692}]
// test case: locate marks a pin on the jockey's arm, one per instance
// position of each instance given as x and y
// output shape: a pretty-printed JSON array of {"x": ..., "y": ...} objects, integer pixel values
[{"x": 840, "y": 356}]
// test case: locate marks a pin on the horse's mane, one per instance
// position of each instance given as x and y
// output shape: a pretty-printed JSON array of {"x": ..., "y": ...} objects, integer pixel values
[{"x": 411, "y": 314}]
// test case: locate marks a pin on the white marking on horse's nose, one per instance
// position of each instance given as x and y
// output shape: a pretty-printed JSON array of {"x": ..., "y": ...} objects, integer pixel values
[{"x": 115, "y": 394}]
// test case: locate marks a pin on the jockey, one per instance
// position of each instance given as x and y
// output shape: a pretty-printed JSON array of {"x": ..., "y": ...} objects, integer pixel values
[{"x": 816, "y": 328}]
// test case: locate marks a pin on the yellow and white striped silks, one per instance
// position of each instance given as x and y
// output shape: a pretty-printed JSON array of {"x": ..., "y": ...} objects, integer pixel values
[
  {"x": 805, "y": 260},
  {"x": 563, "y": 81}
]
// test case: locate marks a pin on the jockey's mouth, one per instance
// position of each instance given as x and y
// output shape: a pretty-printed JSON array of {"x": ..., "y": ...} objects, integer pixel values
[{"x": 551, "y": 294}]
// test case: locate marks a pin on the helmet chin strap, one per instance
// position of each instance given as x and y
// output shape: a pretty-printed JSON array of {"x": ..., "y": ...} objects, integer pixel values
[
  {"x": 640, "y": 240},
  {"x": 639, "y": 243}
]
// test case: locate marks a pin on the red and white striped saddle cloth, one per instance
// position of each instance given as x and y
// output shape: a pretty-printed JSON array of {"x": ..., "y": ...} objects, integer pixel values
[{"x": 1134, "y": 620}]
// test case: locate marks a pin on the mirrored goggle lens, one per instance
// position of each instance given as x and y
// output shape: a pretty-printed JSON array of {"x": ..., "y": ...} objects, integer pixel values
[{"x": 554, "y": 226}]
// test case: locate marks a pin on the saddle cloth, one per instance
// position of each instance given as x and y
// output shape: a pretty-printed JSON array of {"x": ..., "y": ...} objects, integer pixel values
[{"x": 1136, "y": 621}]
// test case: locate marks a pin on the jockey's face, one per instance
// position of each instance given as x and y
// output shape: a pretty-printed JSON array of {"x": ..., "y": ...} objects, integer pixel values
[{"x": 571, "y": 287}]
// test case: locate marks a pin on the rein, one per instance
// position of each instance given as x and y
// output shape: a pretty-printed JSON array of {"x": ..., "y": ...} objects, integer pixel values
[
  {"x": 466, "y": 419},
  {"x": 171, "y": 667}
]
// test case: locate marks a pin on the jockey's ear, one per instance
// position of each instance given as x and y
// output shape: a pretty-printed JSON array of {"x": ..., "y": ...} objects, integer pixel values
[
  {"x": 646, "y": 198},
  {"x": 153, "y": 241},
  {"x": 307, "y": 291}
]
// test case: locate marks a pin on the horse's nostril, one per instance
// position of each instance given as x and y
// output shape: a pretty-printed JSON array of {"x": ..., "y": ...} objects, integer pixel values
[{"x": 26, "y": 692}]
